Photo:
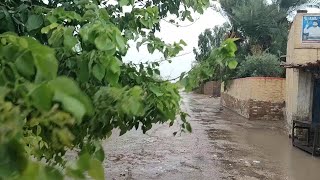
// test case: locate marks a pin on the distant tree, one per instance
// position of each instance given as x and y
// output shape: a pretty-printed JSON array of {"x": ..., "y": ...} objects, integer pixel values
[{"x": 209, "y": 39}]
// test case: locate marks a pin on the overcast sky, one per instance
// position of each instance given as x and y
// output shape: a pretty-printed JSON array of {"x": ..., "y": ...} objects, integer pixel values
[{"x": 170, "y": 33}]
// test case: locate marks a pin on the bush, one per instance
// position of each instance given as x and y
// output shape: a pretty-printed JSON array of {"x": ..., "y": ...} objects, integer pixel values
[{"x": 264, "y": 65}]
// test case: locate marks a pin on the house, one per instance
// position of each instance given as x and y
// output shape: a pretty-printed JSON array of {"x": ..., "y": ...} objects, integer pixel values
[{"x": 303, "y": 70}]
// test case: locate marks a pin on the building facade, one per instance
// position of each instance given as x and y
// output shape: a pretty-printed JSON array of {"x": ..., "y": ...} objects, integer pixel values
[{"x": 302, "y": 69}]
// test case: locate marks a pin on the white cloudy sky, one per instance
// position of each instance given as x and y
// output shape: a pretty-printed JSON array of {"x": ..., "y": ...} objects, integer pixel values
[{"x": 170, "y": 33}]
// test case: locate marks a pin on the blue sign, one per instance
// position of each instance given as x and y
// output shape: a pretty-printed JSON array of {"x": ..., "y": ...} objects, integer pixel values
[{"x": 311, "y": 29}]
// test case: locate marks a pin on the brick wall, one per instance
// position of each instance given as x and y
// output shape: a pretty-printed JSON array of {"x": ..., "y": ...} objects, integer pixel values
[
  {"x": 238, "y": 105},
  {"x": 199, "y": 90},
  {"x": 212, "y": 88},
  {"x": 256, "y": 98}
]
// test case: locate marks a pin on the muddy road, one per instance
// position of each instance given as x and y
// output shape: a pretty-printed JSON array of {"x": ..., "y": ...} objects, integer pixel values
[{"x": 222, "y": 146}]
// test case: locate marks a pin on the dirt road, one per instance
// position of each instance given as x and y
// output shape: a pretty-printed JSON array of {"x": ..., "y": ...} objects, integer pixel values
[{"x": 222, "y": 146}]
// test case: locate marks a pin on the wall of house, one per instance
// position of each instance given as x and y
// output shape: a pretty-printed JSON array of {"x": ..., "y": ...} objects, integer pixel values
[
  {"x": 256, "y": 98},
  {"x": 298, "y": 52},
  {"x": 299, "y": 84}
]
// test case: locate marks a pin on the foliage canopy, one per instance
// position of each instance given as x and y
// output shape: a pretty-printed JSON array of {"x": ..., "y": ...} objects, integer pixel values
[
  {"x": 262, "y": 65},
  {"x": 63, "y": 85},
  {"x": 219, "y": 66},
  {"x": 262, "y": 24}
]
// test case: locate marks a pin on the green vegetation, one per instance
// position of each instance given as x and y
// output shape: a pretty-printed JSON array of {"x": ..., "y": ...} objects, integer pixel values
[
  {"x": 220, "y": 65},
  {"x": 262, "y": 65},
  {"x": 210, "y": 39},
  {"x": 261, "y": 28},
  {"x": 260, "y": 25},
  {"x": 63, "y": 85}
]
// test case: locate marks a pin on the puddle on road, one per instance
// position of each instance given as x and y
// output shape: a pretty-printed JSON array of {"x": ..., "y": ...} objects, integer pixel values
[
  {"x": 239, "y": 144},
  {"x": 275, "y": 148},
  {"x": 270, "y": 146},
  {"x": 222, "y": 146}
]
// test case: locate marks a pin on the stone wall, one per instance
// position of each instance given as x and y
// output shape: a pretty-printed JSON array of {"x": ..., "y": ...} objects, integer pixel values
[{"x": 256, "y": 98}]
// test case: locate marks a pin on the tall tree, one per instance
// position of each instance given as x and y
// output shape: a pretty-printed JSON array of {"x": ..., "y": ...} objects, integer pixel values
[{"x": 262, "y": 23}]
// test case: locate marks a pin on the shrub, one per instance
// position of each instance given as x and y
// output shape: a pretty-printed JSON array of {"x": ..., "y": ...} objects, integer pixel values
[{"x": 265, "y": 65}]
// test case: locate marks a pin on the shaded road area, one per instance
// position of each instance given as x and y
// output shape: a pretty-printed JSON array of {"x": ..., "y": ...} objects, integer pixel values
[{"x": 222, "y": 146}]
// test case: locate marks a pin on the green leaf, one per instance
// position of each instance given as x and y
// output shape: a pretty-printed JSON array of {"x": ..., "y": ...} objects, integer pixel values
[
  {"x": 52, "y": 173},
  {"x": 99, "y": 154},
  {"x": 188, "y": 127},
  {"x": 34, "y": 22},
  {"x": 56, "y": 38},
  {"x": 150, "y": 48},
  {"x": 25, "y": 65},
  {"x": 3, "y": 92},
  {"x": 36, "y": 171},
  {"x": 46, "y": 29},
  {"x": 156, "y": 90},
  {"x": 75, "y": 173},
  {"x": 69, "y": 40},
  {"x": 83, "y": 162},
  {"x": 132, "y": 104},
  {"x": 103, "y": 13},
  {"x": 42, "y": 97},
  {"x": 150, "y": 71},
  {"x": 120, "y": 42},
  {"x": 12, "y": 158},
  {"x": 113, "y": 71},
  {"x": 52, "y": 19},
  {"x": 71, "y": 104},
  {"x": 44, "y": 60},
  {"x": 123, "y": 2},
  {"x": 65, "y": 136},
  {"x": 112, "y": 77},
  {"x": 229, "y": 47},
  {"x": 114, "y": 65},
  {"x": 144, "y": 22},
  {"x": 157, "y": 71},
  {"x": 104, "y": 43},
  {"x": 31, "y": 172},
  {"x": 71, "y": 97},
  {"x": 183, "y": 42},
  {"x": 9, "y": 23},
  {"x": 96, "y": 170},
  {"x": 98, "y": 71},
  {"x": 232, "y": 64},
  {"x": 83, "y": 70},
  {"x": 53, "y": 25},
  {"x": 23, "y": 43}
]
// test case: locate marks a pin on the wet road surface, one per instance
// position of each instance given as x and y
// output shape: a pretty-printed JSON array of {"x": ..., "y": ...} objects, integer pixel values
[{"x": 222, "y": 146}]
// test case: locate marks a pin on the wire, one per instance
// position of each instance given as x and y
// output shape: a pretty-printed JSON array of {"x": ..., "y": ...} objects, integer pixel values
[{"x": 178, "y": 25}]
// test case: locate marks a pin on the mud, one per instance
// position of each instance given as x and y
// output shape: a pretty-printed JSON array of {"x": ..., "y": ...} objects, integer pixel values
[{"x": 223, "y": 145}]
